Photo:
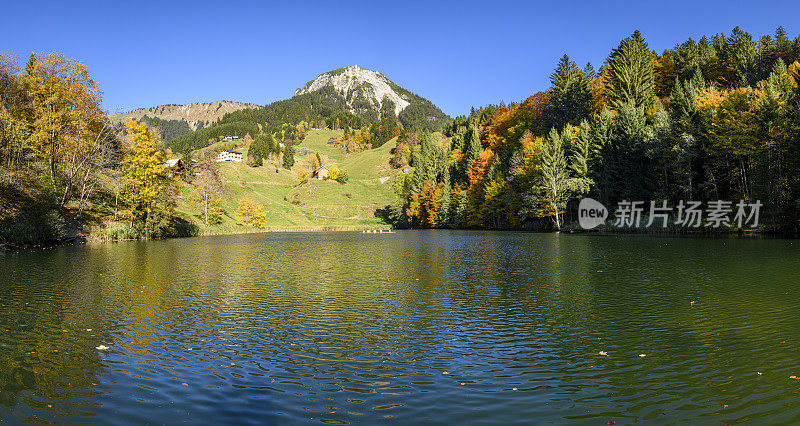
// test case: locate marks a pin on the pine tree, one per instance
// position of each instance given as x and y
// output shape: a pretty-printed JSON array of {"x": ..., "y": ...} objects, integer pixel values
[
  {"x": 697, "y": 80},
  {"x": 741, "y": 53},
  {"x": 780, "y": 80},
  {"x": 570, "y": 94},
  {"x": 474, "y": 146},
  {"x": 684, "y": 99},
  {"x": 631, "y": 74},
  {"x": 580, "y": 151},
  {"x": 288, "y": 157}
]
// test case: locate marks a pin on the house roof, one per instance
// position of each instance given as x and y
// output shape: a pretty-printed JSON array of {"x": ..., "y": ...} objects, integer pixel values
[
  {"x": 172, "y": 163},
  {"x": 320, "y": 168}
]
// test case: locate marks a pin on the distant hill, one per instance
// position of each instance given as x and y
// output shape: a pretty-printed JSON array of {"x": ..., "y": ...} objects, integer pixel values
[{"x": 196, "y": 115}]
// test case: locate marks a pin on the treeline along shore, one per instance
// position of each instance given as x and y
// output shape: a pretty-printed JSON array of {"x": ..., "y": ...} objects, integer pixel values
[{"x": 711, "y": 119}]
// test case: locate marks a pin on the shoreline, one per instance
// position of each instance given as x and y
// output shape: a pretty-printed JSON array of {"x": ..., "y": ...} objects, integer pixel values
[{"x": 90, "y": 239}]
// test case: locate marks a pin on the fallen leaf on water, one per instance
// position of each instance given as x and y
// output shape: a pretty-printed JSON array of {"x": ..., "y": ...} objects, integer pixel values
[
  {"x": 445, "y": 372},
  {"x": 794, "y": 377},
  {"x": 725, "y": 406},
  {"x": 642, "y": 355},
  {"x": 272, "y": 380},
  {"x": 102, "y": 348},
  {"x": 612, "y": 422},
  {"x": 513, "y": 388},
  {"x": 602, "y": 353},
  {"x": 49, "y": 406},
  {"x": 184, "y": 384},
  {"x": 462, "y": 383},
  {"x": 760, "y": 373}
]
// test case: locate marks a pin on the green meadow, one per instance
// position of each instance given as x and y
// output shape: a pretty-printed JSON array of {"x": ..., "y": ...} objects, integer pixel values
[{"x": 316, "y": 205}]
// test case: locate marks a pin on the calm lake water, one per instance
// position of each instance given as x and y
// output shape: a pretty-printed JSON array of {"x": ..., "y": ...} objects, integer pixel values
[{"x": 411, "y": 327}]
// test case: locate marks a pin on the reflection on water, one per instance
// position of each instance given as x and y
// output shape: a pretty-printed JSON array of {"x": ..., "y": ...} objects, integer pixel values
[{"x": 416, "y": 326}]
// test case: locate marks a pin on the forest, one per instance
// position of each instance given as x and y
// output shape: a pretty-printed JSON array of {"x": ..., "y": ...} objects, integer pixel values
[
  {"x": 712, "y": 119},
  {"x": 63, "y": 164}
]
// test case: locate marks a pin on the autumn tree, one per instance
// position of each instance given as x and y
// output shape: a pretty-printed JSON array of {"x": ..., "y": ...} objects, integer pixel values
[
  {"x": 146, "y": 195},
  {"x": 303, "y": 175},
  {"x": 251, "y": 212},
  {"x": 68, "y": 129},
  {"x": 210, "y": 188}
]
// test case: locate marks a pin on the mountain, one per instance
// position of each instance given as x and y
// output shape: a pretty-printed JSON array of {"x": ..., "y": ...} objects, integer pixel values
[
  {"x": 196, "y": 115},
  {"x": 350, "y": 97},
  {"x": 365, "y": 90}
]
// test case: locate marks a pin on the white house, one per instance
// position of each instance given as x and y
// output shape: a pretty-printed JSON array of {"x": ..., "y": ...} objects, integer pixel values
[{"x": 228, "y": 155}]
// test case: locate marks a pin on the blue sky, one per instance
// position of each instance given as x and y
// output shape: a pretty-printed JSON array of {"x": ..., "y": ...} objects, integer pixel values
[{"x": 457, "y": 54}]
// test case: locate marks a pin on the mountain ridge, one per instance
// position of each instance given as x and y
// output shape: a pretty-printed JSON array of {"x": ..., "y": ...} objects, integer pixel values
[{"x": 196, "y": 114}]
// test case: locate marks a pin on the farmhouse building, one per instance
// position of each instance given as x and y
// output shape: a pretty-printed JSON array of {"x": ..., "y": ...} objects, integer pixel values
[
  {"x": 173, "y": 167},
  {"x": 320, "y": 173},
  {"x": 228, "y": 155}
]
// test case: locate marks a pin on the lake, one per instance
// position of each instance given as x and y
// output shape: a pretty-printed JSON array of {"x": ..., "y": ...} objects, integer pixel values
[{"x": 411, "y": 327}]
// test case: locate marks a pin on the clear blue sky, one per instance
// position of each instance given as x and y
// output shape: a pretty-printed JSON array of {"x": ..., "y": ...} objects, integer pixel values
[{"x": 457, "y": 54}]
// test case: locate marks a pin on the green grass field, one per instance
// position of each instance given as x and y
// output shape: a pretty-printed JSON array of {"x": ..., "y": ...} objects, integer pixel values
[{"x": 315, "y": 205}]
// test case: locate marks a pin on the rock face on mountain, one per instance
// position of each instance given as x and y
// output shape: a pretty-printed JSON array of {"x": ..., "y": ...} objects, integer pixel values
[
  {"x": 196, "y": 115},
  {"x": 359, "y": 86}
]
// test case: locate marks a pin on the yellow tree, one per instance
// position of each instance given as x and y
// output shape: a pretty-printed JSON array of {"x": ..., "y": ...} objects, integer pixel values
[
  {"x": 65, "y": 117},
  {"x": 143, "y": 174},
  {"x": 251, "y": 212}
]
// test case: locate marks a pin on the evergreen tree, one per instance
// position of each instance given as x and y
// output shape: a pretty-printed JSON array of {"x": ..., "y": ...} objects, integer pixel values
[
  {"x": 570, "y": 94},
  {"x": 259, "y": 150},
  {"x": 741, "y": 55},
  {"x": 580, "y": 151},
  {"x": 474, "y": 146},
  {"x": 288, "y": 157},
  {"x": 631, "y": 74},
  {"x": 780, "y": 80},
  {"x": 684, "y": 99},
  {"x": 188, "y": 165}
]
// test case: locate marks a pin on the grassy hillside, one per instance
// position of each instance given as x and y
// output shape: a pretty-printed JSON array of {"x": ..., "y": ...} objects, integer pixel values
[{"x": 315, "y": 205}]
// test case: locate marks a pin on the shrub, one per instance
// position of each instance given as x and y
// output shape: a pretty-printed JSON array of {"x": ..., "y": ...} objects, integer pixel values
[
  {"x": 303, "y": 175},
  {"x": 342, "y": 176},
  {"x": 33, "y": 227},
  {"x": 333, "y": 172}
]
